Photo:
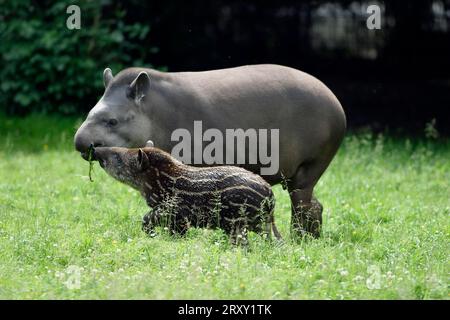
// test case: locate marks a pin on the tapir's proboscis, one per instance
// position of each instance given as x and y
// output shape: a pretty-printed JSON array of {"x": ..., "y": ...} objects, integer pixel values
[{"x": 142, "y": 104}]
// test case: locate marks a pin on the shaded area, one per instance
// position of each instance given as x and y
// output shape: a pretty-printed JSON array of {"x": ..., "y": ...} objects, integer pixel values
[{"x": 397, "y": 77}]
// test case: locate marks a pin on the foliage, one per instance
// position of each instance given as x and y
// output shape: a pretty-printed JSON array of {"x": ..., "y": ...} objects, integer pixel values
[
  {"x": 47, "y": 67},
  {"x": 386, "y": 228}
]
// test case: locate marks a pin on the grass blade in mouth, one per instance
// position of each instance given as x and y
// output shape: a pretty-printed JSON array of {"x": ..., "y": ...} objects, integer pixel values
[{"x": 91, "y": 163}]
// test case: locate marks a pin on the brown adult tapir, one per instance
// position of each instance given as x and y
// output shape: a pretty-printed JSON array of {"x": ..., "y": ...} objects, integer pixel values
[{"x": 144, "y": 104}]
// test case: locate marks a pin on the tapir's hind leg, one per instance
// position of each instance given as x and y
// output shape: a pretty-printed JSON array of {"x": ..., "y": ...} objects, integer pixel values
[{"x": 306, "y": 210}]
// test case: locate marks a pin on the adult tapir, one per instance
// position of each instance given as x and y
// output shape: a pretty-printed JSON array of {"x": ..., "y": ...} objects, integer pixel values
[{"x": 141, "y": 104}]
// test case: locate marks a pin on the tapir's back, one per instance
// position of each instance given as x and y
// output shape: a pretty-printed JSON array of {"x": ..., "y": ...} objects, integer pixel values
[
  {"x": 265, "y": 96},
  {"x": 249, "y": 84}
]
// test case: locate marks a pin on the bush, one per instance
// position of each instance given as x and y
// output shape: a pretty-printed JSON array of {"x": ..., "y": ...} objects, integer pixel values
[{"x": 47, "y": 67}]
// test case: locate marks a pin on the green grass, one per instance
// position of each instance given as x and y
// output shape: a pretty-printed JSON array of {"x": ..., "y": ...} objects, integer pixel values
[{"x": 385, "y": 236}]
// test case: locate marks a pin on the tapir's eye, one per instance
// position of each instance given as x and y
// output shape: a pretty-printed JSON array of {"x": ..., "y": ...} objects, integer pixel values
[{"x": 112, "y": 122}]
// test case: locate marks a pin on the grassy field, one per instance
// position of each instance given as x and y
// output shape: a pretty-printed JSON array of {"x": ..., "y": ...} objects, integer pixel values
[{"x": 386, "y": 229}]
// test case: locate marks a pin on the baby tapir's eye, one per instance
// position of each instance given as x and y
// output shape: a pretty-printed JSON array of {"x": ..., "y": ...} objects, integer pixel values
[{"x": 112, "y": 122}]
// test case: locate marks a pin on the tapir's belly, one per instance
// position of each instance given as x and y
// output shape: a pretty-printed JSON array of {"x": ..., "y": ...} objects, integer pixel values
[{"x": 263, "y": 98}]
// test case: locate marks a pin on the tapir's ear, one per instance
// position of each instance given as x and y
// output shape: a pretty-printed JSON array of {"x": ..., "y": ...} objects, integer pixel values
[
  {"x": 143, "y": 160},
  {"x": 139, "y": 87},
  {"x": 149, "y": 143},
  {"x": 107, "y": 76}
]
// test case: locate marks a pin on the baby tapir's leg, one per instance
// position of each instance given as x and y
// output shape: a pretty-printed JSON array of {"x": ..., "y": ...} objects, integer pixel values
[
  {"x": 238, "y": 230},
  {"x": 267, "y": 230},
  {"x": 273, "y": 226},
  {"x": 180, "y": 225},
  {"x": 269, "y": 227},
  {"x": 149, "y": 222},
  {"x": 276, "y": 233},
  {"x": 152, "y": 219},
  {"x": 177, "y": 222},
  {"x": 238, "y": 236}
]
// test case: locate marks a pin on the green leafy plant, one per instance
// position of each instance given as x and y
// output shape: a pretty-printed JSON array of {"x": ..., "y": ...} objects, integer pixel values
[{"x": 48, "y": 67}]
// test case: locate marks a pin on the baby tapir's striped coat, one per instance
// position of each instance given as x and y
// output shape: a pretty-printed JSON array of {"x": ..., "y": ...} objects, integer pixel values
[{"x": 226, "y": 197}]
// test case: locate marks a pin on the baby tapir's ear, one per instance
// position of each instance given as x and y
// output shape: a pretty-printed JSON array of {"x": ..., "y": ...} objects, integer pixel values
[
  {"x": 149, "y": 144},
  {"x": 143, "y": 160}
]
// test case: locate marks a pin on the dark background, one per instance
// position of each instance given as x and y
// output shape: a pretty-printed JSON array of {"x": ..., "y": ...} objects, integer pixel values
[{"x": 397, "y": 77}]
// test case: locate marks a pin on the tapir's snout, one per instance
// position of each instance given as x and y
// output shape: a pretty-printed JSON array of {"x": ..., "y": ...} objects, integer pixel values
[
  {"x": 80, "y": 146},
  {"x": 83, "y": 146},
  {"x": 83, "y": 142}
]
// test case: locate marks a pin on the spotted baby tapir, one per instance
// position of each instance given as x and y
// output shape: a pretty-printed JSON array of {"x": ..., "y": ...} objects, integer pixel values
[{"x": 182, "y": 196}]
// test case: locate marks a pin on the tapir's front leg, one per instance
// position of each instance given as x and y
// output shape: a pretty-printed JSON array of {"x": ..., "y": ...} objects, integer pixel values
[
  {"x": 306, "y": 210},
  {"x": 306, "y": 215},
  {"x": 150, "y": 221}
]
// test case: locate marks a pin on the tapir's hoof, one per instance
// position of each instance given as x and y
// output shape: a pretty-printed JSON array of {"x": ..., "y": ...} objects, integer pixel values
[
  {"x": 314, "y": 218},
  {"x": 308, "y": 220}
]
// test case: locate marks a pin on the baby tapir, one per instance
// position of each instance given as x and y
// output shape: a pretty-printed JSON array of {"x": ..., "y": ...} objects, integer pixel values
[{"x": 226, "y": 197}]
